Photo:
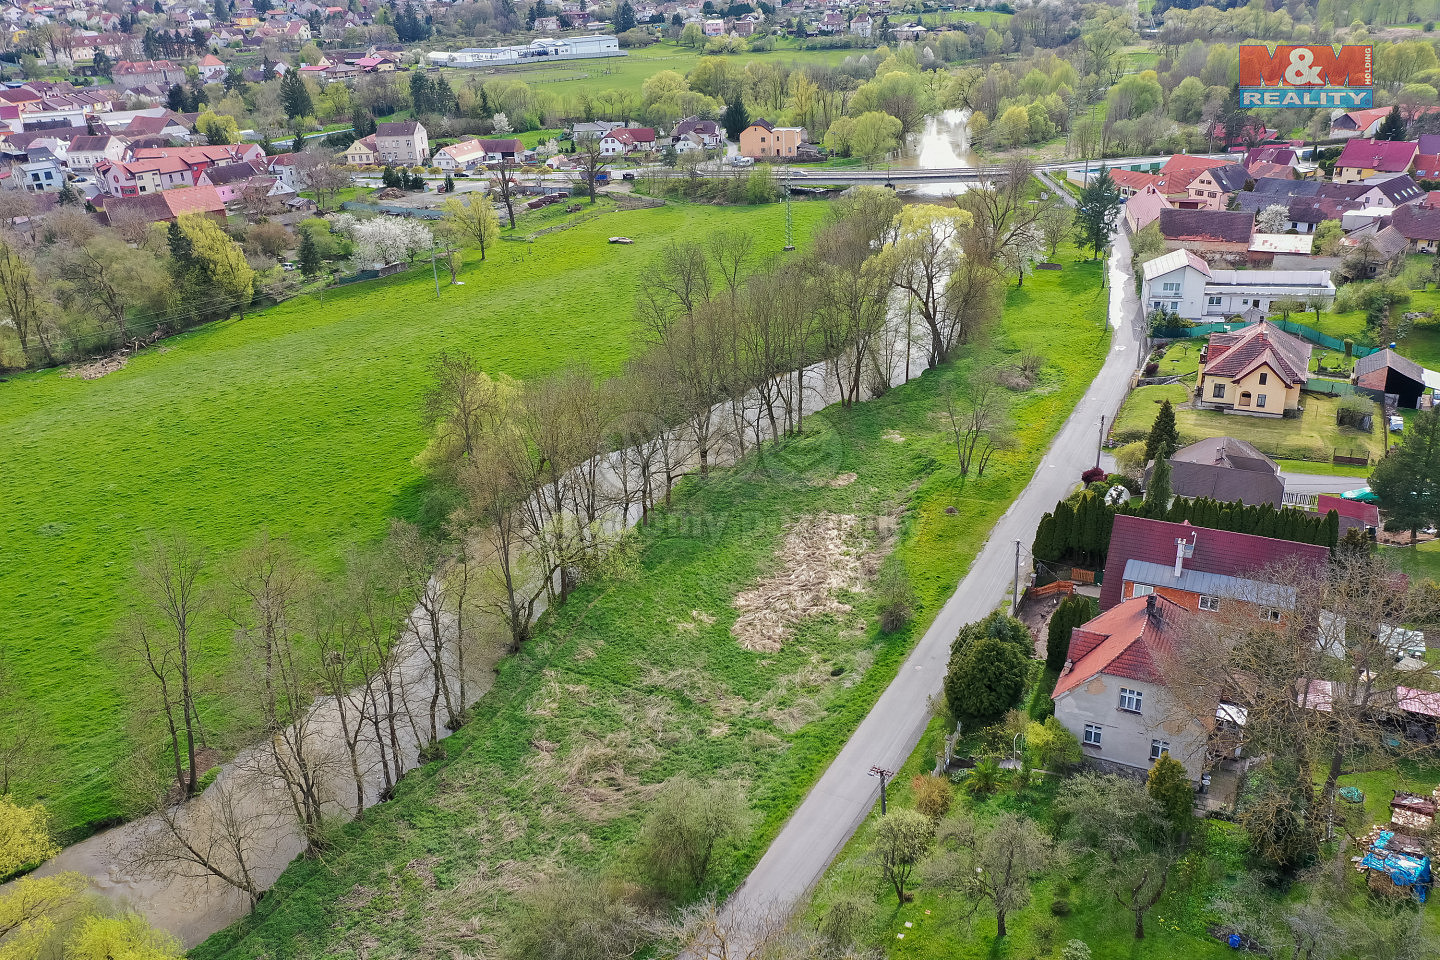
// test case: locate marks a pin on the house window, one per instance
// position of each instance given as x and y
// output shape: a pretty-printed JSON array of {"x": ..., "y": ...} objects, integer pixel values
[
  {"x": 1141, "y": 590},
  {"x": 1260, "y": 400},
  {"x": 1170, "y": 287},
  {"x": 1092, "y": 735},
  {"x": 1214, "y": 301},
  {"x": 1130, "y": 700},
  {"x": 1158, "y": 748},
  {"x": 1269, "y": 614},
  {"x": 1210, "y": 604},
  {"x": 1219, "y": 391},
  {"x": 1155, "y": 304},
  {"x": 1264, "y": 378},
  {"x": 1245, "y": 398},
  {"x": 1174, "y": 306}
]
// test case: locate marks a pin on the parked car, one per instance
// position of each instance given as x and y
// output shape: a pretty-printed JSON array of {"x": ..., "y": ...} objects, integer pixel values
[
  {"x": 742, "y": 161},
  {"x": 627, "y": 176}
]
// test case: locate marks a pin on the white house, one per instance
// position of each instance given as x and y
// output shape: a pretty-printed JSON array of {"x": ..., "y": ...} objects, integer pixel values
[
  {"x": 714, "y": 28},
  {"x": 625, "y": 140},
  {"x": 1112, "y": 693},
  {"x": 460, "y": 156},
  {"x": 86, "y": 152},
  {"x": 42, "y": 176},
  {"x": 861, "y": 24},
  {"x": 1183, "y": 283}
]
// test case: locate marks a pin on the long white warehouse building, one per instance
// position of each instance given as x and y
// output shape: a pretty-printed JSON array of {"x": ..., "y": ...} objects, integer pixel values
[{"x": 537, "y": 51}]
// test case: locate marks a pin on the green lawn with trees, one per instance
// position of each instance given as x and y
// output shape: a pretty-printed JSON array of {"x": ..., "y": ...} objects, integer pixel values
[
  {"x": 550, "y": 779},
  {"x": 301, "y": 420}
]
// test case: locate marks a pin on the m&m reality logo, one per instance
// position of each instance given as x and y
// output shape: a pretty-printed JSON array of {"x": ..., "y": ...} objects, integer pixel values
[{"x": 1308, "y": 75}]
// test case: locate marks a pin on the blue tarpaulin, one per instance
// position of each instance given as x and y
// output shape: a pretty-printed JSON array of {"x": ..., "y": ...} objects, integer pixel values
[{"x": 1402, "y": 868}]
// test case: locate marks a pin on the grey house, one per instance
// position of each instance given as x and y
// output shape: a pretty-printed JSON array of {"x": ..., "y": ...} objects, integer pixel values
[{"x": 1225, "y": 469}]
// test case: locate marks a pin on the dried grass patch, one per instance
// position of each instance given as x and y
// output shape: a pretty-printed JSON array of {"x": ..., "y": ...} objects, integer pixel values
[{"x": 819, "y": 558}]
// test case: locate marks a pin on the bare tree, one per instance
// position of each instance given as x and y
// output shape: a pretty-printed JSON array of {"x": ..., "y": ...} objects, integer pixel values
[
  {"x": 975, "y": 414},
  {"x": 1057, "y": 222},
  {"x": 1001, "y": 211},
  {"x": 162, "y": 640},
  {"x": 592, "y": 163},
  {"x": 223, "y": 835},
  {"x": 504, "y": 182},
  {"x": 511, "y": 586},
  {"x": 850, "y": 295},
  {"x": 21, "y": 294},
  {"x": 416, "y": 562},
  {"x": 269, "y": 597},
  {"x": 319, "y": 172}
]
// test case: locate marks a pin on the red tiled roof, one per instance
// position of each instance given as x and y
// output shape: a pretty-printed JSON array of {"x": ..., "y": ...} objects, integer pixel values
[
  {"x": 1414, "y": 222},
  {"x": 1216, "y": 551},
  {"x": 1387, "y": 156},
  {"x": 1366, "y": 513},
  {"x": 1427, "y": 166},
  {"x": 1235, "y": 355},
  {"x": 1123, "y": 642},
  {"x": 1133, "y": 179},
  {"x": 1181, "y": 168},
  {"x": 1215, "y": 226},
  {"x": 1361, "y": 119}
]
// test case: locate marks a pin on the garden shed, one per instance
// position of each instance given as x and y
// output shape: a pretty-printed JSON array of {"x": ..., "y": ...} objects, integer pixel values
[{"x": 1385, "y": 371}]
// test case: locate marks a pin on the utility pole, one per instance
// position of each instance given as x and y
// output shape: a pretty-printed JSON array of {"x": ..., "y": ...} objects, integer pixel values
[
  {"x": 789, "y": 217},
  {"x": 1100, "y": 443},
  {"x": 883, "y": 774},
  {"x": 1015, "y": 604}
]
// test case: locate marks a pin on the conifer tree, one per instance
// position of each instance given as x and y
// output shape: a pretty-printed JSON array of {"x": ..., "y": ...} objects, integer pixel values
[{"x": 1163, "y": 434}]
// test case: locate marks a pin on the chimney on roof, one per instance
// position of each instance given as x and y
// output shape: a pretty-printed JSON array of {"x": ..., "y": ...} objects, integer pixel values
[
  {"x": 1150, "y": 606},
  {"x": 1183, "y": 548}
]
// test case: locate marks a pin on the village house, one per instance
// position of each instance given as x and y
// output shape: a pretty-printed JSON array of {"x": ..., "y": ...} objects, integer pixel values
[
  {"x": 87, "y": 151},
  {"x": 1111, "y": 693},
  {"x": 165, "y": 206},
  {"x": 138, "y": 73},
  {"x": 45, "y": 175},
  {"x": 1177, "y": 174},
  {"x": 1131, "y": 182},
  {"x": 1258, "y": 370},
  {"x": 763, "y": 139},
  {"x": 1358, "y": 123},
  {"x": 861, "y": 25},
  {"x": 1182, "y": 283},
  {"x": 1363, "y": 158},
  {"x": 622, "y": 140},
  {"x": 707, "y": 132},
  {"x": 1213, "y": 187},
  {"x": 363, "y": 152},
  {"x": 1225, "y": 469},
  {"x": 404, "y": 142},
  {"x": 211, "y": 68},
  {"x": 1216, "y": 233},
  {"x": 1144, "y": 208},
  {"x": 460, "y": 157},
  {"x": 233, "y": 180},
  {"x": 1418, "y": 225},
  {"x": 1197, "y": 567}
]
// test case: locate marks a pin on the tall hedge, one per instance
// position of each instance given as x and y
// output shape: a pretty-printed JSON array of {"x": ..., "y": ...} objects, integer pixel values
[{"x": 1074, "y": 611}]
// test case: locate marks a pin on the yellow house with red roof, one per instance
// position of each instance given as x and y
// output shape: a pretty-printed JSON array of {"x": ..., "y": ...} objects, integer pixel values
[{"x": 1260, "y": 369}]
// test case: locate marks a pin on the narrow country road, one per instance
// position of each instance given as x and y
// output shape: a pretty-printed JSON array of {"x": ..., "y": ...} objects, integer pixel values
[{"x": 846, "y": 793}]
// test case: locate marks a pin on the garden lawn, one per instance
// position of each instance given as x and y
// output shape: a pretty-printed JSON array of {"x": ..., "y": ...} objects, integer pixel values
[
  {"x": 637, "y": 680},
  {"x": 1421, "y": 561},
  {"x": 1313, "y": 436},
  {"x": 1421, "y": 344},
  {"x": 302, "y": 420},
  {"x": 629, "y": 73}
]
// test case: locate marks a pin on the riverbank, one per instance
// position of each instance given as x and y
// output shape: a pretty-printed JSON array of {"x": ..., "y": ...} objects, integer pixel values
[{"x": 647, "y": 675}]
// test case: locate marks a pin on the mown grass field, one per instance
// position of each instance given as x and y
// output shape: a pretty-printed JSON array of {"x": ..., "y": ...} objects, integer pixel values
[
  {"x": 637, "y": 680},
  {"x": 1314, "y": 435},
  {"x": 628, "y": 73},
  {"x": 302, "y": 419}
]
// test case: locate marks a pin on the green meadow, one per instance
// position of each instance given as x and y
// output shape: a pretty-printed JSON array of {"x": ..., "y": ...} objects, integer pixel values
[{"x": 302, "y": 420}]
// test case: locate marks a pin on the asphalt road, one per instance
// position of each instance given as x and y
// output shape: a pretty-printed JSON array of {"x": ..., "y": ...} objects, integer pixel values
[{"x": 846, "y": 793}]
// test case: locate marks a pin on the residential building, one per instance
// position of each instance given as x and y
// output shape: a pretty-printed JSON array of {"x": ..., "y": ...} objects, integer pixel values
[
  {"x": 1419, "y": 225},
  {"x": 87, "y": 151},
  {"x": 404, "y": 142},
  {"x": 1358, "y": 123},
  {"x": 363, "y": 152},
  {"x": 1386, "y": 372},
  {"x": 589, "y": 130},
  {"x": 1112, "y": 693},
  {"x": 763, "y": 139},
  {"x": 1386, "y": 245},
  {"x": 1199, "y": 568},
  {"x": 212, "y": 68},
  {"x": 714, "y": 27},
  {"x": 623, "y": 140},
  {"x": 1131, "y": 182},
  {"x": 1213, "y": 232},
  {"x": 861, "y": 25},
  {"x": 1363, "y": 158},
  {"x": 708, "y": 131},
  {"x": 1179, "y": 170},
  {"x": 462, "y": 156},
  {"x": 1144, "y": 208},
  {"x": 1259, "y": 370},
  {"x": 138, "y": 73},
  {"x": 1225, "y": 469},
  {"x": 1353, "y": 514},
  {"x": 165, "y": 206},
  {"x": 1212, "y": 187},
  {"x": 1182, "y": 283},
  {"x": 42, "y": 176}
]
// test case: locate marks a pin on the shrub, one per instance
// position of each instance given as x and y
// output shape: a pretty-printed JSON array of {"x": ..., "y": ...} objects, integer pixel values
[
  {"x": 986, "y": 679},
  {"x": 984, "y": 779},
  {"x": 932, "y": 795},
  {"x": 1054, "y": 747},
  {"x": 1060, "y": 907},
  {"x": 1131, "y": 458},
  {"x": 1151, "y": 369},
  {"x": 896, "y": 596},
  {"x": 1092, "y": 475},
  {"x": 1074, "y": 949},
  {"x": 1120, "y": 480}
]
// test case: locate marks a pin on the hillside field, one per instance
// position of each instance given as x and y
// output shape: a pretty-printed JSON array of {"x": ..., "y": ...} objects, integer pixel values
[
  {"x": 302, "y": 419},
  {"x": 628, "y": 73}
]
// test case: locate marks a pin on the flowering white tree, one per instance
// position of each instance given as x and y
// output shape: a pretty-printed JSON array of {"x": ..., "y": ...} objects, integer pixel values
[
  {"x": 502, "y": 124},
  {"x": 1273, "y": 219},
  {"x": 390, "y": 240}
]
